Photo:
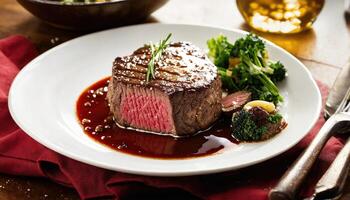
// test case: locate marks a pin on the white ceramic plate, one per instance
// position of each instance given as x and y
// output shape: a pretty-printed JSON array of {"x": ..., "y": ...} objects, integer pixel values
[{"x": 43, "y": 97}]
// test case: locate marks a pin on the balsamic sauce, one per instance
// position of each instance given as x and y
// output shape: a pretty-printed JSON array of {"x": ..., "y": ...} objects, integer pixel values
[{"x": 94, "y": 116}]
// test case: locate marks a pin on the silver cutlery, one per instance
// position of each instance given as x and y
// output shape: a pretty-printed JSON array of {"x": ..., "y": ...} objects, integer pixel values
[
  {"x": 290, "y": 182},
  {"x": 336, "y": 94},
  {"x": 332, "y": 182}
]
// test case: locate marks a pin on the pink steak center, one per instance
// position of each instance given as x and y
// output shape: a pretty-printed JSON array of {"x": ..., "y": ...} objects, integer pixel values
[{"x": 147, "y": 111}]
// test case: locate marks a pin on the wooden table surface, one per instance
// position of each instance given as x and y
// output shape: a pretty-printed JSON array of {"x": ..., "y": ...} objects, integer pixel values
[{"x": 323, "y": 49}]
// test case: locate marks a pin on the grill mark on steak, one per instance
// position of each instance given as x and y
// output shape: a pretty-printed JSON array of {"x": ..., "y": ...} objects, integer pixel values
[
  {"x": 141, "y": 76},
  {"x": 142, "y": 67},
  {"x": 176, "y": 86},
  {"x": 181, "y": 66}
]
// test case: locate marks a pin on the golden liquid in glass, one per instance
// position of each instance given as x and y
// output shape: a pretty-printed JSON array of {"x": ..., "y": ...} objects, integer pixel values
[{"x": 280, "y": 16}]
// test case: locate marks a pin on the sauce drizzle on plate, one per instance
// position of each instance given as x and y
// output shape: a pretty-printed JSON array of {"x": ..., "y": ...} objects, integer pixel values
[{"x": 93, "y": 114}]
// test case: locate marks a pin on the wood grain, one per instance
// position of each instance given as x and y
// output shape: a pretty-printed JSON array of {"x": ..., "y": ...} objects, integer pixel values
[{"x": 323, "y": 49}]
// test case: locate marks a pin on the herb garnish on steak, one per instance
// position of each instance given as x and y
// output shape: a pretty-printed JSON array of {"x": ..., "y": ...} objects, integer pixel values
[{"x": 156, "y": 52}]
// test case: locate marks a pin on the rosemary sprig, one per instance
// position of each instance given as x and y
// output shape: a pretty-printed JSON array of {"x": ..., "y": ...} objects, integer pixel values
[{"x": 156, "y": 52}]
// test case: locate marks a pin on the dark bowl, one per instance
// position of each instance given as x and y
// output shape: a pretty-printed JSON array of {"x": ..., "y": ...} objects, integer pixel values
[{"x": 91, "y": 16}]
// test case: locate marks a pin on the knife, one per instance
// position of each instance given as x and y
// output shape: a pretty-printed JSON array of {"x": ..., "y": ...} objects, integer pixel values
[
  {"x": 338, "y": 91},
  {"x": 332, "y": 182}
]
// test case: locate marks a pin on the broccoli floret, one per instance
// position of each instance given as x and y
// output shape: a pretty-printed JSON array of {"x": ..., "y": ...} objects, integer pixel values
[
  {"x": 274, "y": 119},
  {"x": 220, "y": 49},
  {"x": 279, "y": 71},
  {"x": 249, "y": 67},
  {"x": 254, "y": 71},
  {"x": 247, "y": 44},
  {"x": 244, "y": 127},
  {"x": 262, "y": 93}
]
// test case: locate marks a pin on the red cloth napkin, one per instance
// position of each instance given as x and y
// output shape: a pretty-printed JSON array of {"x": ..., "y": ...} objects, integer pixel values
[{"x": 21, "y": 155}]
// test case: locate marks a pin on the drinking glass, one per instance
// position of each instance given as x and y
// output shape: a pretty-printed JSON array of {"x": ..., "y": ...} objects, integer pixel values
[{"x": 280, "y": 16}]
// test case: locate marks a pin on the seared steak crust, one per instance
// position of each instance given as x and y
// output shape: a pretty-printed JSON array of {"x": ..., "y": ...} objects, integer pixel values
[
  {"x": 196, "y": 110},
  {"x": 182, "y": 66}
]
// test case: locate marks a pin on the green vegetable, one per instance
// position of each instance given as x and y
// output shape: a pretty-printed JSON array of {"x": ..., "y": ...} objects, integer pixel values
[
  {"x": 227, "y": 80},
  {"x": 279, "y": 72},
  {"x": 262, "y": 93},
  {"x": 220, "y": 49},
  {"x": 156, "y": 52},
  {"x": 276, "y": 118},
  {"x": 244, "y": 127},
  {"x": 254, "y": 73},
  {"x": 249, "y": 68}
]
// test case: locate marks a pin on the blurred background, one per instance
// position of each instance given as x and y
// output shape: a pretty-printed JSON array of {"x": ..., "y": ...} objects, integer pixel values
[
  {"x": 329, "y": 32},
  {"x": 323, "y": 46}
]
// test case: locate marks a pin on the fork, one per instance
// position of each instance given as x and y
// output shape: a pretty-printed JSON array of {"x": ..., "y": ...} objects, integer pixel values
[
  {"x": 332, "y": 182},
  {"x": 290, "y": 182}
]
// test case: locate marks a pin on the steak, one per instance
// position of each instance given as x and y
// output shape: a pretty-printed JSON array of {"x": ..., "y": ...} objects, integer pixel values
[
  {"x": 183, "y": 98},
  {"x": 235, "y": 101}
]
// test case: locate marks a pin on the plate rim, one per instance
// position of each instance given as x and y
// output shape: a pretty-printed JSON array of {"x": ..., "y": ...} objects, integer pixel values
[{"x": 96, "y": 163}]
